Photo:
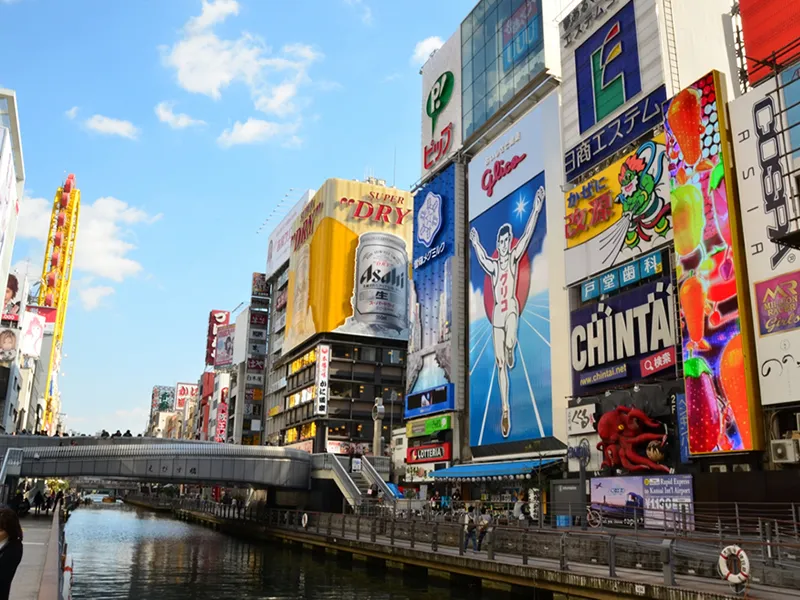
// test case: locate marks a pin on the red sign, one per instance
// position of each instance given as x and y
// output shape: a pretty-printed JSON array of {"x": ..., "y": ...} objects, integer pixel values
[
  {"x": 216, "y": 318},
  {"x": 184, "y": 392},
  {"x": 769, "y": 26},
  {"x": 428, "y": 453},
  {"x": 499, "y": 170},
  {"x": 258, "y": 318},
  {"x": 391, "y": 213},
  {"x": 657, "y": 362},
  {"x": 48, "y": 313},
  {"x": 438, "y": 149},
  {"x": 222, "y": 421},
  {"x": 256, "y": 364}
]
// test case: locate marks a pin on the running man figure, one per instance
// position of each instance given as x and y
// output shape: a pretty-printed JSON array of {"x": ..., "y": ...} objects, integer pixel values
[{"x": 503, "y": 271}]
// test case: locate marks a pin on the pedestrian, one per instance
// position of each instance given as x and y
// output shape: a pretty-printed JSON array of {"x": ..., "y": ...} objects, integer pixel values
[
  {"x": 470, "y": 527},
  {"x": 483, "y": 526},
  {"x": 10, "y": 549},
  {"x": 127, "y": 433},
  {"x": 38, "y": 502}
]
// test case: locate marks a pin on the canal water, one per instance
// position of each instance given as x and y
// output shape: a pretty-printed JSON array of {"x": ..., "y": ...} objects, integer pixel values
[{"x": 121, "y": 552}]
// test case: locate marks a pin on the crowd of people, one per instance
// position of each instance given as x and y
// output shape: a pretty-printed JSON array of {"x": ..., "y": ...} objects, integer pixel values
[{"x": 104, "y": 434}]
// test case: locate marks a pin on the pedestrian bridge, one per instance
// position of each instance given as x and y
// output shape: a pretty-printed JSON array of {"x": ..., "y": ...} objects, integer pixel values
[{"x": 156, "y": 460}]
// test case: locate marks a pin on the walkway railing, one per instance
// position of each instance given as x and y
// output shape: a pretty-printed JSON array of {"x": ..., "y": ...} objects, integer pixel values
[
  {"x": 676, "y": 554},
  {"x": 52, "y": 584}
]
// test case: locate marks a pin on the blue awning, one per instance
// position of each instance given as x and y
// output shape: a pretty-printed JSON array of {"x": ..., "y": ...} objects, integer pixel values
[
  {"x": 394, "y": 489},
  {"x": 494, "y": 469}
]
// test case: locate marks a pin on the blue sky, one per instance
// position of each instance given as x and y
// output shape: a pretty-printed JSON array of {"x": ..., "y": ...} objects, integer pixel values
[{"x": 186, "y": 122}]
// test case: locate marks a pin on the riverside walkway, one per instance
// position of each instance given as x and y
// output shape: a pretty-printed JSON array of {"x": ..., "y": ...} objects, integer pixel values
[
  {"x": 600, "y": 565},
  {"x": 39, "y": 574}
]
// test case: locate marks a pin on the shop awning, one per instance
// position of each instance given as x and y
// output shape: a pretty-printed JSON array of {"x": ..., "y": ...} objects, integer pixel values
[
  {"x": 394, "y": 489},
  {"x": 494, "y": 469}
]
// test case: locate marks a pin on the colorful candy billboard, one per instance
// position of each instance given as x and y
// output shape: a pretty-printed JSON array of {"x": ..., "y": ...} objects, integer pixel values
[
  {"x": 620, "y": 213},
  {"x": 712, "y": 286}
]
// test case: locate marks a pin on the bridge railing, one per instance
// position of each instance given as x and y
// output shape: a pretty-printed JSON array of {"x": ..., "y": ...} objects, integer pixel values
[
  {"x": 374, "y": 478},
  {"x": 678, "y": 554}
]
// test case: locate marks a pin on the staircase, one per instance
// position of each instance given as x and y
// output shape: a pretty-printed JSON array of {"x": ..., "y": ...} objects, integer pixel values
[{"x": 361, "y": 482}]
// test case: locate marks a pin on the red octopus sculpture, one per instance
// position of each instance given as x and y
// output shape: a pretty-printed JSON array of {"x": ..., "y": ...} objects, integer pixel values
[{"x": 621, "y": 431}]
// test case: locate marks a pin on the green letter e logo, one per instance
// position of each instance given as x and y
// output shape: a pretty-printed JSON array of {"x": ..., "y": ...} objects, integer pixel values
[{"x": 439, "y": 96}]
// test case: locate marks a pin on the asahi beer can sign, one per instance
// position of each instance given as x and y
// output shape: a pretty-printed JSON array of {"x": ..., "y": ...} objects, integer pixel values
[{"x": 380, "y": 289}]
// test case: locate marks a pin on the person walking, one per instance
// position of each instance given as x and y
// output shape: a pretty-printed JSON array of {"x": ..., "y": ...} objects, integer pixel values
[
  {"x": 38, "y": 502},
  {"x": 10, "y": 549},
  {"x": 470, "y": 527},
  {"x": 483, "y": 526}
]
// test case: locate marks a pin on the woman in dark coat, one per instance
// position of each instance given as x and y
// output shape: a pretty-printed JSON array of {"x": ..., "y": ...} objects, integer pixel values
[{"x": 10, "y": 549}]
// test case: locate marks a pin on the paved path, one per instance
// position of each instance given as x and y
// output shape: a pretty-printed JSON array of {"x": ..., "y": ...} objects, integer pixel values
[{"x": 36, "y": 535}]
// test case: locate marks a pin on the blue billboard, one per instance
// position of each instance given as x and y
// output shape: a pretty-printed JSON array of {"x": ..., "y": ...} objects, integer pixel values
[
  {"x": 509, "y": 349},
  {"x": 436, "y": 400},
  {"x": 431, "y": 303}
]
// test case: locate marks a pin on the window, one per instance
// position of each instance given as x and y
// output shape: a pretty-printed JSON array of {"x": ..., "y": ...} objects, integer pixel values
[
  {"x": 367, "y": 353},
  {"x": 394, "y": 357},
  {"x": 363, "y": 372},
  {"x": 342, "y": 351},
  {"x": 340, "y": 389}
]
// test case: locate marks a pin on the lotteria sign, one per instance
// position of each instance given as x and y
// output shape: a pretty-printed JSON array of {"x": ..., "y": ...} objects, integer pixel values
[
  {"x": 630, "y": 337},
  {"x": 429, "y": 453},
  {"x": 441, "y": 105}
]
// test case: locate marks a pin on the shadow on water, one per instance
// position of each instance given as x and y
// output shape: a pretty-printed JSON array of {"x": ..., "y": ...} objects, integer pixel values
[{"x": 121, "y": 552}]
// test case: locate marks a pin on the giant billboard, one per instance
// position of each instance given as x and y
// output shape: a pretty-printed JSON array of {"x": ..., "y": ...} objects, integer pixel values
[
  {"x": 769, "y": 28},
  {"x": 613, "y": 80},
  {"x": 712, "y": 283},
  {"x": 618, "y": 214},
  {"x": 223, "y": 357},
  {"x": 162, "y": 398},
  {"x": 509, "y": 360},
  {"x": 349, "y": 270},
  {"x": 279, "y": 246},
  {"x": 216, "y": 319},
  {"x": 441, "y": 105},
  {"x": 429, "y": 354},
  {"x": 623, "y": 339},
  {"x": 184, "y": 392}
]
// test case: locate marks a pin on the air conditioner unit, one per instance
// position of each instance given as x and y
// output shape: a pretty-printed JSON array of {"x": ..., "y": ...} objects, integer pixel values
[
  {"x": 718, "y": 468},
  {"x": 784, "y": 451}
]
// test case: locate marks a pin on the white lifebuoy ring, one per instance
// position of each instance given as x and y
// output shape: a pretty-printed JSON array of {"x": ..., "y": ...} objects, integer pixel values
[
  {"x": 744, "y": 565},
  {"x": 304, "y": 520}
]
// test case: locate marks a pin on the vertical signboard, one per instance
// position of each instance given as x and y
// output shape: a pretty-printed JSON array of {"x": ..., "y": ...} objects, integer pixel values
[
  {"x": 223, "y": 356},
  {"x": 323, "y": 368},
  {"x": 431, "y": 299},
  {"x": 712, "y": 284},
  {"x": 279, "y": 247},
  {"x": 509, "y": 303},
  {"x": 184, "y": 392},
  {"x": 757, "y": 129},
  {"x": 613, "y": 80},
  {"x": 162, "y": 398},
  {"x": 441, "y": 105},
  {"x": 216, "y": 319},
  {"x": 222, "y": 420}
]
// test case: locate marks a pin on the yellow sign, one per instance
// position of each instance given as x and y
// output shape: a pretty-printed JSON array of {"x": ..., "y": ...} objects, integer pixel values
[
  {"x": 622, "y": 211},
  {"x": 349, "y": 269}
]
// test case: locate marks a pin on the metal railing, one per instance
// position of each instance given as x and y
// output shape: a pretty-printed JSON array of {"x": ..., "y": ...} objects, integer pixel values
[
  {"x": 342, "y": 478},
  {"x": 161, "y": 502},
  {"x": 685, "y": 553},
  {"x": 12, "y": 462},
  {"x": 52, "y": 582},
  {"x": 374, "y": 478}
]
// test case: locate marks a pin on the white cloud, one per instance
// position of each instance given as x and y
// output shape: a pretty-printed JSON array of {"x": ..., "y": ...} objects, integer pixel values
[
  {"x": 72, "y": 112},
  {"x": 423, "y": 49},
  {"x": 392, "y": 77},
  {"x": 207, "y": 64},
  {"x": 166, "y": 115},
  {"x": 92, "y": 296},
  {"x": 361, "y": 6},
  {"x": 109, "y": 126},
  {"x": 254, "y": 131}
]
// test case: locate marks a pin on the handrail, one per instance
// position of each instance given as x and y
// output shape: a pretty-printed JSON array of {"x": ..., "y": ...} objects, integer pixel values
[
  {"x": 374, "y": 477},
  {"x": 342, "y": 478},
  {"x": 13, "y": 458},
  {"x": 51, "y": 586}
]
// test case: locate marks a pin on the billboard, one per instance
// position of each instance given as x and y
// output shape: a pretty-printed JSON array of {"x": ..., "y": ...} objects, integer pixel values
[
  {"x": 429, "y": 354},
  {"x": 259, "y": 288},
  {"x": 48, "y": 313},
  {"x": 222, "y": 421},
  {"x": 712, "y": 289},
  {"x": 162, "y": 398},
  {"x": 648, "y": 499},
  {"x": 429, "y": 426},
  {"x": 13, "y": 298},
  {"x": 764, "y": 196},
  {"x": 623, "y": 339},
  {"x": 323, "y": 371},
  {"x": 9, "y": 202},
  {"x": 618, "y": 214},
  {"x": 362, "y": 233},
  {"x": 509, "y": 303},
  {"x": 184, "y": 392},
  {"x": 613, "y": 80},
  {"x": 430, "y": 401},
  {"x": 429, "y": 453},
  {"x": 441, "y": 105},
  {"x": 32, "y": 332},
  {"x": 9, "y": 344},
  {"x": 216, "y": 319},
  {"x": 767, "y": 27},
  {"x": 223, "y": 356},
  {"x": 279, "y": 246}
]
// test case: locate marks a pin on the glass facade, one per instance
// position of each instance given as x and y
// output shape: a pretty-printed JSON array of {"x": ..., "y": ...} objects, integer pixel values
[{"x": 502, "y": 48}]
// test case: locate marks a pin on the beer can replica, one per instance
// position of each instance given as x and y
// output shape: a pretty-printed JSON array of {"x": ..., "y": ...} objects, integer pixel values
[{"x": 380, "y": 290}]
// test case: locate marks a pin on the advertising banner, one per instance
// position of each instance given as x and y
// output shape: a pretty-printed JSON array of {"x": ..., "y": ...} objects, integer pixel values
[
  {"x": 224, "y": 353},
  {"x": 441, "y": 105},
  {"x": 628, "y": 274},
  {"x": 620, "y": 213},
  {"x": 362, "y": 233},
  {"x": 216, "y": 319},
  {"x": 305, "y": 446},
  {"x": 764, "y": 191},
  {"x": 769, "y": 26},
  {"x": 620, "y": 499},
  {"x": 668, "y": 500},
  {"x": 613, "y": 79},
  {"x": 32, "y": 331},
  {"x": 184, "y": 392},
  {"x": 49, "y": 314},
  {"x": 509, "y": 303},
  {"x": 583, "y": 448},
  {"x": 339, "y": 447},
  {"x": 626, "y": 337},
  {"x": 222, "y": 422},
  {"x": 279, "y": 247},
  {"x": 429, "y": 453},
  {"x": 581, "y": 419},
  {"x": 9, "y": 344},
  {"x": 256, "y": 364},
  {"x": 428, "y": 426},
  {"x": 437, "y": 400},
  {"x": 13, "y": 298},
  {"x": 712, "y": 288},
  {"x": 431, "y": 301},
  {"x": 162, "y": 398},
  {"x": 9, "y": 202},
  {"x": 259, "y": 288},
  {"x": 323, "y": 374}
]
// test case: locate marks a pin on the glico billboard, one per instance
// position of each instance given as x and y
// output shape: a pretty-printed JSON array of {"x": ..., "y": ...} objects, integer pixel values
[
  {"x": 509, "y": 301},
  {"x": 718, "y": 365},
  {"x": 431, "y": 301},
  {"x": 216, "y": 319},
  {"x": 349, "y": 270}
]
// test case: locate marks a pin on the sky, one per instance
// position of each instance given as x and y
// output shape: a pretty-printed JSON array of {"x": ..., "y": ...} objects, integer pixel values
[{"x": 191, "y": 127}]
